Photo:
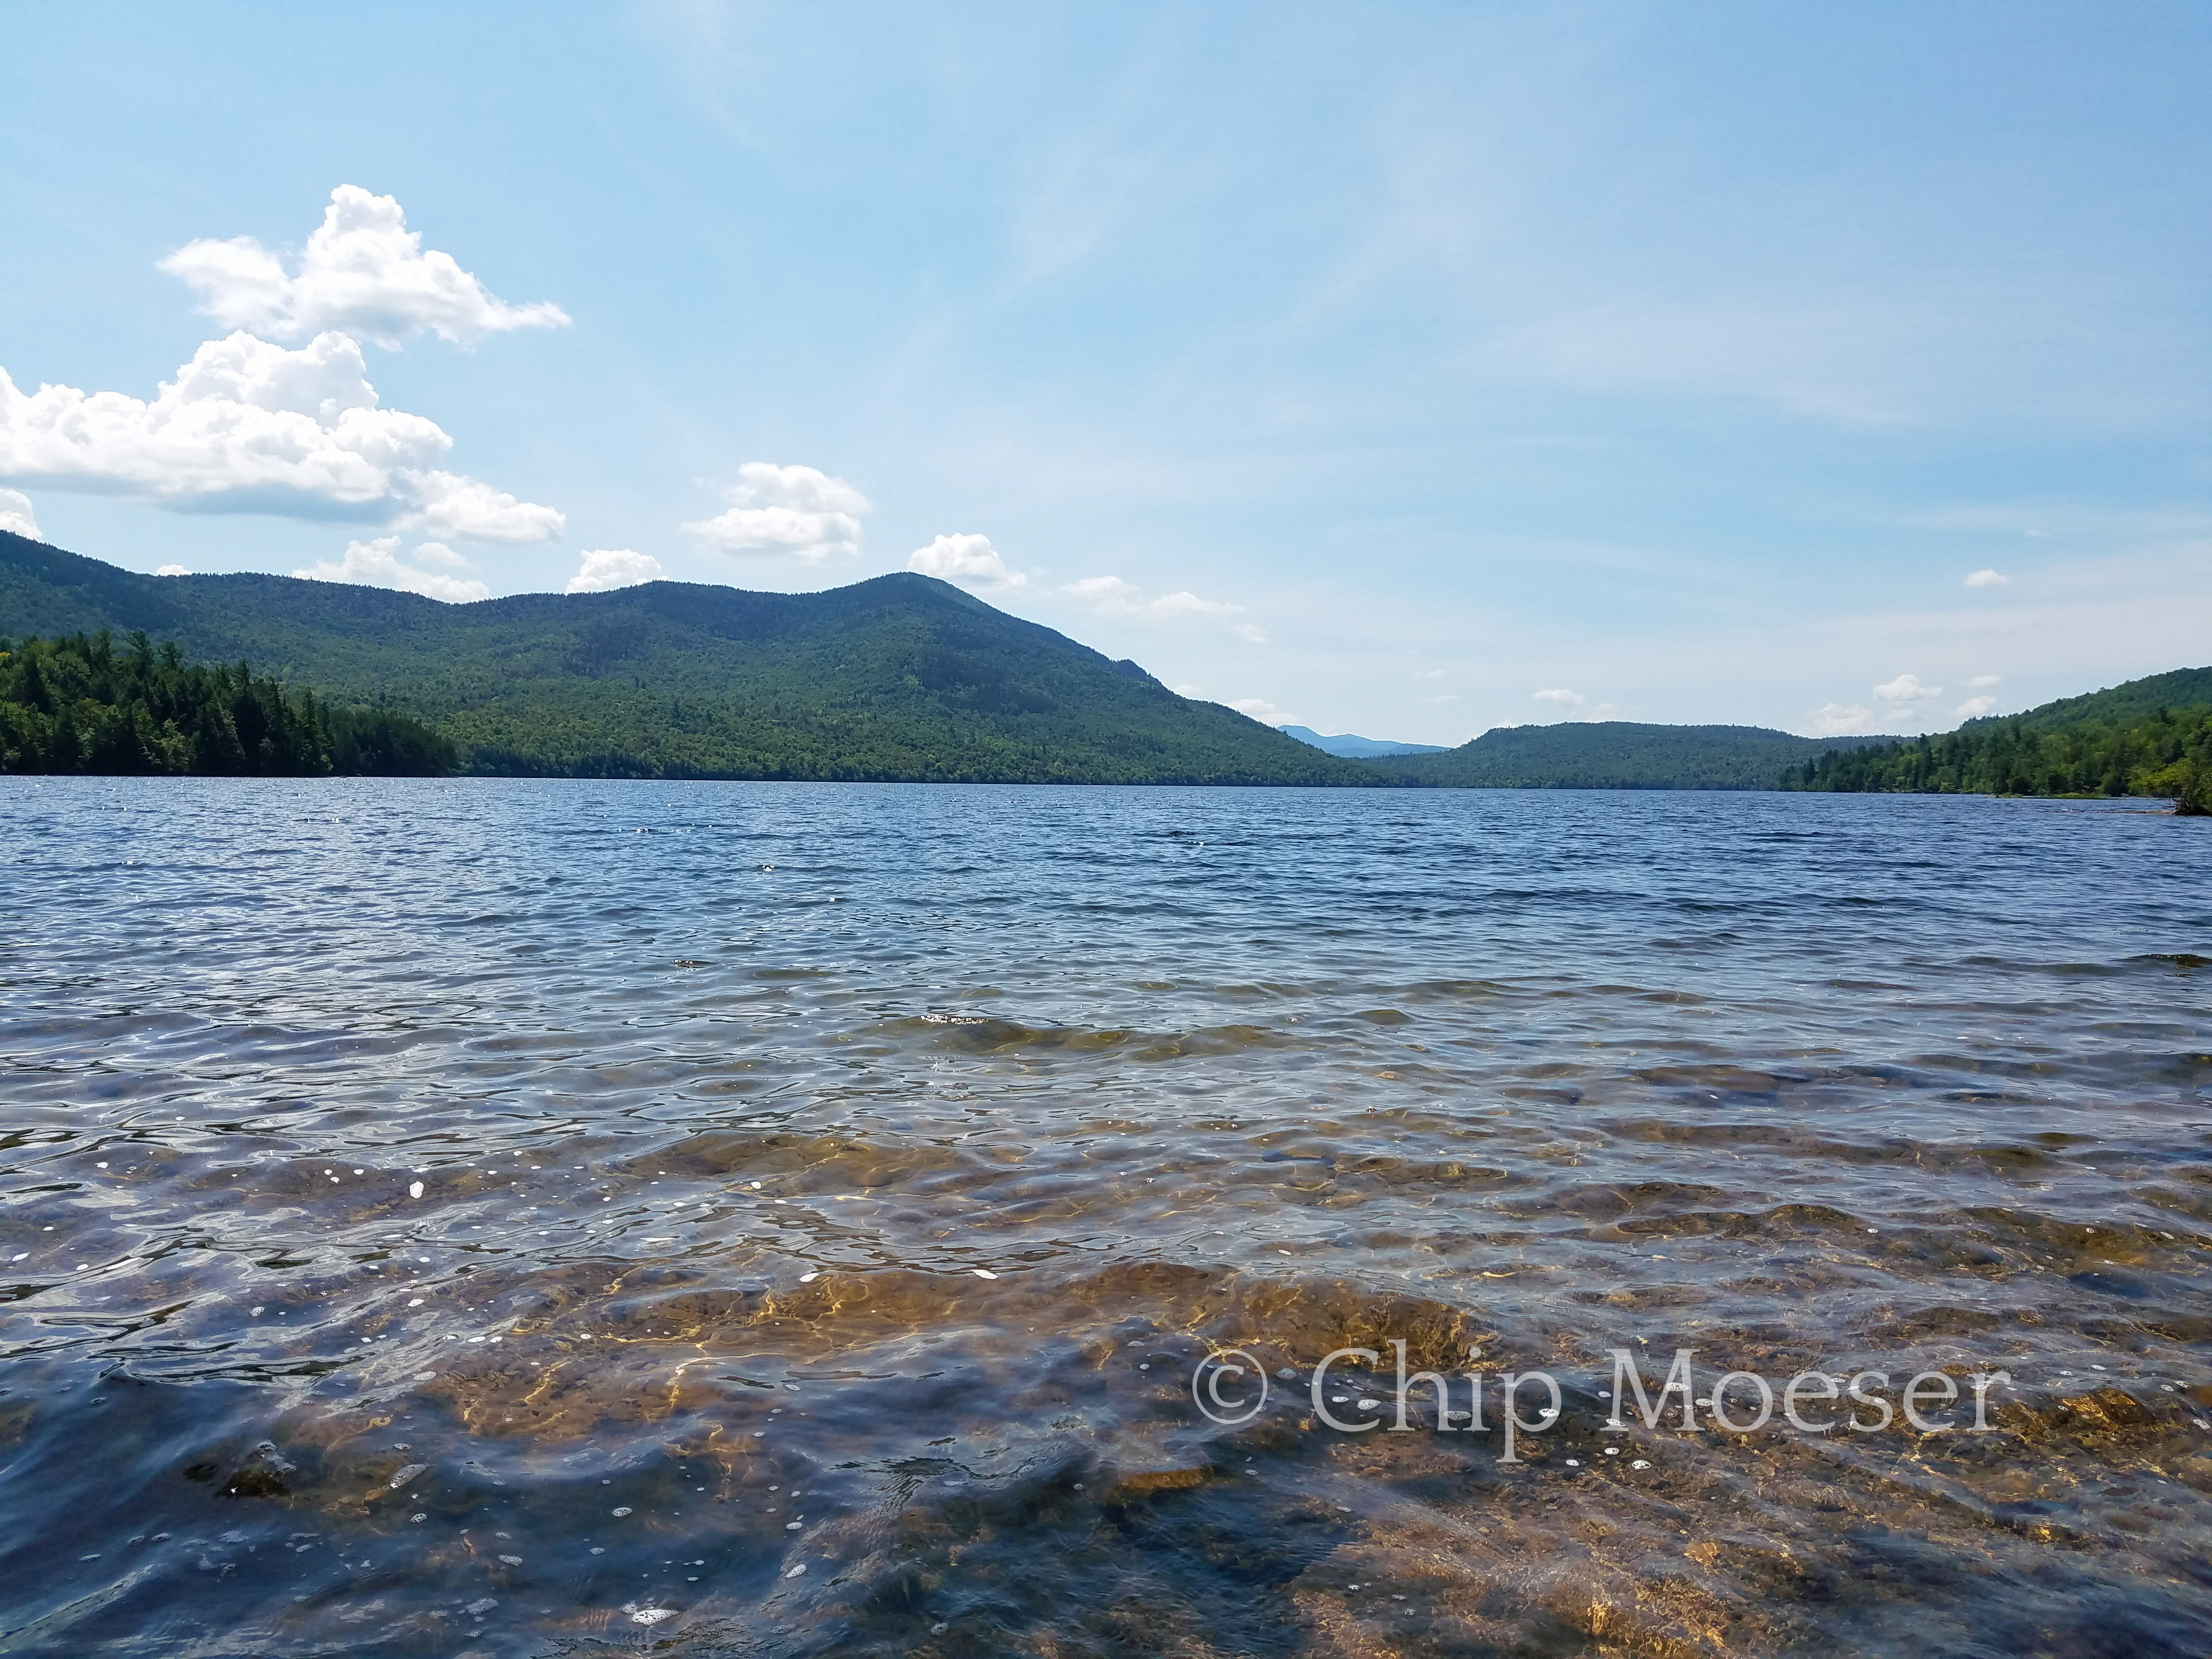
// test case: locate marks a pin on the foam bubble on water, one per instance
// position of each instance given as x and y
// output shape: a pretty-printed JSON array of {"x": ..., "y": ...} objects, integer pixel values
[
  {"x": 624, "y": 1510},
  {"x": 985, "y": 1272},
  {"x": 652, "y": 1615},
  {"x": 413, "y": 1190},
  {"x": 412, "y": 1472},
  {"x": 796, "y": 1571}
]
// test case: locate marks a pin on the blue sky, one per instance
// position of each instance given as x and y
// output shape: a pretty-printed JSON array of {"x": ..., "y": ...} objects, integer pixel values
[{"x": 1403, "y": 369}]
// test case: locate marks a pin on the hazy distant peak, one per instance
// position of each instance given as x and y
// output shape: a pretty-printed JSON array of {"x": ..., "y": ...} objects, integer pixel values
[{"x": 1354, "y": 747}]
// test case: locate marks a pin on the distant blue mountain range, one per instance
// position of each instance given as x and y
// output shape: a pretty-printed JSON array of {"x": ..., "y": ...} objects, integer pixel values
[{"x": 1351, "y": 748}]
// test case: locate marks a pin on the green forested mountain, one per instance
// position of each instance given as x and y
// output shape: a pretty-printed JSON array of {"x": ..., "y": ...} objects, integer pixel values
[
  {"x": 1614, "y": 755},
  {"x": 2147, "y": 737},
  {"x": 79, "y": 704},
  {"x": 902, "y": 677}
]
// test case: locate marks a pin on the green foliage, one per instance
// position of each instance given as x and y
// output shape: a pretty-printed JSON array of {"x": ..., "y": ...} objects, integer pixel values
[
  {"x": 1613, "y": 755},
  {"x": 2126, "y": 704},
  {"x": 2109, "y": 747},
  {"x": 900, "y": 678},
  {"x": 77, "y": 704}
]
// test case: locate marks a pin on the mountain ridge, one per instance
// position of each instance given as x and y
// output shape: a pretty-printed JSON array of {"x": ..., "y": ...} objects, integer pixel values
[
  {"x": 1348, "y": 746},
  {"x": 901, "y": 677},
  {"x": 1615, "y": 755}
]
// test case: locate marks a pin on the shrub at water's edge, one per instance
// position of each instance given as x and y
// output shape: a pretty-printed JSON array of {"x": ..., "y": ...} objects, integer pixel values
[{"x": 79, "y": 705}]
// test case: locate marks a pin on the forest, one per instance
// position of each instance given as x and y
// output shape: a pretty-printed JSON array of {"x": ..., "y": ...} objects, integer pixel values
[
  {"x": 898, "y": 679},
  {"x": 2164, "y": 753},
  {"x": 80, "y": 704}
]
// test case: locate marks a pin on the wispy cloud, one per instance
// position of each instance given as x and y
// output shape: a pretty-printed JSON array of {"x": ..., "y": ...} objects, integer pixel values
[{"x": 1110, "y": 596}]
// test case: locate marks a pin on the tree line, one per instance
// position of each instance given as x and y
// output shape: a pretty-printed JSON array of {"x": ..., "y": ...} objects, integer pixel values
[
  {"x": 81, "y": 704},
  {"x": 2167, "y": 753}
]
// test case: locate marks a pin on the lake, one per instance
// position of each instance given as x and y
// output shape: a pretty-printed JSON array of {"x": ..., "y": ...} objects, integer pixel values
[{"x": 427, "y": 1202}]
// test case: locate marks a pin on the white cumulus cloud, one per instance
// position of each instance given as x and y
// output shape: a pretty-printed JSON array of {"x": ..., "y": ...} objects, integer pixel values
[
  {"x": 1837, "y": 719},
  {"x": 1559, "y": 695},
  {"x": 362, "y": 272},
  {"x": 613, "y": 567},
  {"x": 16, "y": 514},
  {"x": 1906, "y": 687},
  {"x": 797, "y": 510},
  {"x": 171, "y": 570},
  {"x": 969, "y": 559},
  {"x": 248, "y": 427},
  {"x": 1973, "y": 706},
  {"x": 1986, "y": 579},
  {"x": 377, "y": 564},
  {"x": 1984, "y": 682}
]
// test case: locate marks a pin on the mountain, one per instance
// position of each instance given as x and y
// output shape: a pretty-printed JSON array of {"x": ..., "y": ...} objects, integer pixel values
[
  {"x": 1616, "y": 754},
  {"x": 904, "y": 677},
  {"x": 2147, "y": 737},
  {"x": 1353, "y": 748}
]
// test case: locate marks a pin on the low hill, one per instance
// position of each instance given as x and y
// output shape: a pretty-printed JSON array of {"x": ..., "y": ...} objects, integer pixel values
[
  {"x": 2147, "y": 737},
  {"x": 1357, "y": 747},
  {"x": 904, "y": 677},
  {"x": 1616, "y": 754}
]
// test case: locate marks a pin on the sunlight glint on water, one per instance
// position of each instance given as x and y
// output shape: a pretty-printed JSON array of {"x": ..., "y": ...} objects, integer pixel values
[{"x": 481, "y": 1217}]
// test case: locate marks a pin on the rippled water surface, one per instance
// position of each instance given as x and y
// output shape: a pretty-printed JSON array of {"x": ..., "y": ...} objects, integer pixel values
[{"x": 512, "y": 1218}]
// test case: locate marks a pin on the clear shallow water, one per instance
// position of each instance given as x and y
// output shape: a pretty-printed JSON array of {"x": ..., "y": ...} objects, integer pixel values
[{"x": 720, "y": 1094}]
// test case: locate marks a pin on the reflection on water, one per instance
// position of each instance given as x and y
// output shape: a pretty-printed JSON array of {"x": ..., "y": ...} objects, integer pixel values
[{"x": 500, "y": 1218}]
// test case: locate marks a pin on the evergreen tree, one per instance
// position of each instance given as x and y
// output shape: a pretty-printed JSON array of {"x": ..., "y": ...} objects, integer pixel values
[{"x": 78, "y": 705}]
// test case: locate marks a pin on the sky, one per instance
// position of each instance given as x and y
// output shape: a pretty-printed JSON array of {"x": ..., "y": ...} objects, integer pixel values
[{"x": 1403, "y": 369}]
